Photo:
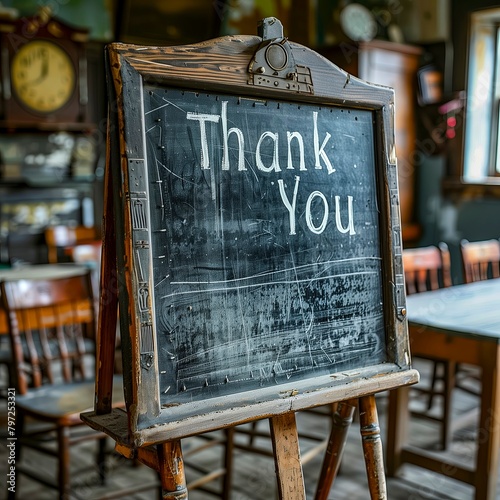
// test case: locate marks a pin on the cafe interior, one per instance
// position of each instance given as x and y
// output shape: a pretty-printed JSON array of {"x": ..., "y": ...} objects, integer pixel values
[{"x": 440, "y": 437}]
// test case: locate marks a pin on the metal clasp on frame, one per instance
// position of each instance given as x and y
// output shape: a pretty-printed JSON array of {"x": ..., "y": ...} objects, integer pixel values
[{"x": 273, "y": 64}]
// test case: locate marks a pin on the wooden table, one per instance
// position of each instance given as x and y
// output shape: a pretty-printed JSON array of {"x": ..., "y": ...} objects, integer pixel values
[
  {"x": 460, "y": 324},
  {"x": 41, "y": 271}
]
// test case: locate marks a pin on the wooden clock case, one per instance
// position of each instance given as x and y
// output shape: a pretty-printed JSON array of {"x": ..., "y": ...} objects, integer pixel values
[{"x": 16, "y": 34}]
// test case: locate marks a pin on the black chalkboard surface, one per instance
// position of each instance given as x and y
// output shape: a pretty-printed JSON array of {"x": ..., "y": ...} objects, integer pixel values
[
  {"x": 265, "y": 241},
  {"x": 255, "y": 217}
]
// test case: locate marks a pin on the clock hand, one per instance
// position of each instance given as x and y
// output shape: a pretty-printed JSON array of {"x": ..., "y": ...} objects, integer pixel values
[
  {"x": 45, "y": 67},
  {"x": 43, "y": 72}
]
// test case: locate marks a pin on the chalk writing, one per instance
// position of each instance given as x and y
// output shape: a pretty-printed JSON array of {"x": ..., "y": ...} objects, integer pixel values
[
  {"x": 291, "y": 207},
  {"x": 265, "y": 238},
  {"x": 319, "y": 151},
  {"x": 273, "y": 164}
]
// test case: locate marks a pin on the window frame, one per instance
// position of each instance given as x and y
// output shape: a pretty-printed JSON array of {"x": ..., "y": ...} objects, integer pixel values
[{"x": 482, "y": 112}]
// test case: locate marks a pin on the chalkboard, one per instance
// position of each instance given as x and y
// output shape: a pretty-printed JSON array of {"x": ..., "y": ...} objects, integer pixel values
[
  {"x": 257, "y": 234},
  {"x": 265, "y": 241}
]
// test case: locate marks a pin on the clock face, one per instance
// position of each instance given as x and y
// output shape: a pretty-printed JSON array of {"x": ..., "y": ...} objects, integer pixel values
[
  {"x": 358, "y": 23},
  {"x": 42, "y": 76}
]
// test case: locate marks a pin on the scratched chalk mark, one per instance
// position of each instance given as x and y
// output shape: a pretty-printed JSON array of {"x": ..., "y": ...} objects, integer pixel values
[
  {"x": 174, "y": 174},
  {"x": 273, "y": 273},
  {"x": 159, "y": 183},
  {"x": 268, "y": 283},
  {"x": 174, "y": 105},
  {"x": 156, "y": 109}
]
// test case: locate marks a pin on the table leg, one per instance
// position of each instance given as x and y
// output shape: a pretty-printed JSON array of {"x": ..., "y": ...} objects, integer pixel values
[
  {"x": 397, "y": 428},
  {"x": 450, "y": 367},
  {"x": 489, "y": 425}
]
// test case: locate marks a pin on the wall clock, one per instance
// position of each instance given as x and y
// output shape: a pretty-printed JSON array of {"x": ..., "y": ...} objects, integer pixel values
[
  {"x": 358, "y": 23},
  {"x": 43, "y": 76},
  {"x": 43, "y": 72}
]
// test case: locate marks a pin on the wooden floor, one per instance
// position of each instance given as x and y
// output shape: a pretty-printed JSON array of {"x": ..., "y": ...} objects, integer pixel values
[{"x": 254, "y": 476}]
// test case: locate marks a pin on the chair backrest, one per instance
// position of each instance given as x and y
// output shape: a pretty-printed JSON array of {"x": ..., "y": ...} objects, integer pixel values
[
  {"x": 87, "y": 253},
  {"x": 50, "y": 324},
  {"x": 427, "y": 268},
  {"x": 60, "y": 237},
  {"x": 480, "y": 259}
]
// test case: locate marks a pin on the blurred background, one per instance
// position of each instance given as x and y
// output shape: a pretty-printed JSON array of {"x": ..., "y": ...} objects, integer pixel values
[{"x": 441, "y": 56}]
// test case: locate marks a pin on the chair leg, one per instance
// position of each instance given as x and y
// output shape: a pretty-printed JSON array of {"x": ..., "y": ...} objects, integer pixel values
[
  {"x": 63, "y": 462},
  {"x": 253, "y": 430},
  {"x": 434, "y": 379},
  {"x": 101, "y": 460}
]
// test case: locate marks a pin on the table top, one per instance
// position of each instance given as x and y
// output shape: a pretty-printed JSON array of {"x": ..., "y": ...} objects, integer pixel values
[
  {"x": 42, "y": 271},
  {"x": 472, "y": 309}
]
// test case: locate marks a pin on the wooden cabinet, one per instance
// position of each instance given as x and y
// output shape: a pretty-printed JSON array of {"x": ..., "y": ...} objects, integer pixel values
[{"x": 394, "y": 65}]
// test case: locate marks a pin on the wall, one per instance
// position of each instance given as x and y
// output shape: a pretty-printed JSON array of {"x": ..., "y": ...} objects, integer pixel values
[{"x": 96, "y": 15}]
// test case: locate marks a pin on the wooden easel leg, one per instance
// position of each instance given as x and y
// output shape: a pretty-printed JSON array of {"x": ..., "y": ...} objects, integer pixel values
[
  {"x": 372, "y": 447},
  {"x": 171, "y": 470},
  {"x": 285, "y": 441},
  {"x": 108, "y": 301},
  {"x": 342, "y": 419}
]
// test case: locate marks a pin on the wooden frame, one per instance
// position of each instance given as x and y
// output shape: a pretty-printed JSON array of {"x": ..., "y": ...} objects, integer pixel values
[{"x": 268, "y": 73}]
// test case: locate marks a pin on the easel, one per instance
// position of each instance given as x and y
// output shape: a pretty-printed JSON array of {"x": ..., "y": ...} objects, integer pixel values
[
  {"x": 159, "y": 446},
  {"x": 167, "y": 459}
]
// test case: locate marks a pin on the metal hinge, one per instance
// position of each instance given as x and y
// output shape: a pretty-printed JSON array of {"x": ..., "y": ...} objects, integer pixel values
[{"x": 273, "y": 64}]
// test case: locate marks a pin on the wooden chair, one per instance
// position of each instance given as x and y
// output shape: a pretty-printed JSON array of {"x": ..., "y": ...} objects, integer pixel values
[
  {"x": 50, "y": 324},
  {"x": 480, "y": 260},
  {"x": 89, "y": 254},
  {"x": 60, "y": 239},
  {"x": 428, "y": 268}
]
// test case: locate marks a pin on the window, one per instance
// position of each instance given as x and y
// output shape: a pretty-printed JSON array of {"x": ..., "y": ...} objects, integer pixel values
[{"x": 482, "y": 131}]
